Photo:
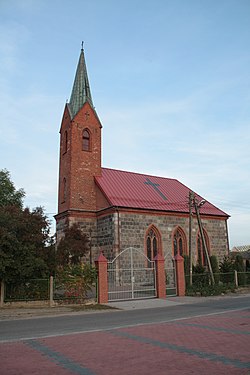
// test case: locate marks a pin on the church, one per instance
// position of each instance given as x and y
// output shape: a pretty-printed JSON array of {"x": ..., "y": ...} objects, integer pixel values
[{"x": 119, "y": 209}]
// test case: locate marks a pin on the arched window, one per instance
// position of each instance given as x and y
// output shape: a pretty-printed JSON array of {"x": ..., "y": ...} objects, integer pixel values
[
  {"x": 64, "y": 193},
  {"x": 65, "y": 142},
  {"x": 86, "y": 140},
  {"x": 201, "y": 252},
  {"x": 179, "y": 242},
  {"x": 152, "y": 243}
]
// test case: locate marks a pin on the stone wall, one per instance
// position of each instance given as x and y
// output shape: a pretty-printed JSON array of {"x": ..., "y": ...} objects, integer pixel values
[
  {"x": 106, "y": 235},
  {"x": 133, "y": 228},
  {"x": 112, "y": 233}
]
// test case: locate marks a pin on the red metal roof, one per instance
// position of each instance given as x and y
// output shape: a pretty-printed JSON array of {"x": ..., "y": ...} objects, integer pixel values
[{"x": 135, "y": 190}]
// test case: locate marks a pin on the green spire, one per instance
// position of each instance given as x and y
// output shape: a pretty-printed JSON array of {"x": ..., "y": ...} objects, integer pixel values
[{"x": 81, "y": 89}]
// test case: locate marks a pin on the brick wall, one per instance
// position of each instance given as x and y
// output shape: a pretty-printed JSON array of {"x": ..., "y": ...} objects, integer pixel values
[
  {"x": 64, "y": 161},
  {"x": 77, "y": 166}
]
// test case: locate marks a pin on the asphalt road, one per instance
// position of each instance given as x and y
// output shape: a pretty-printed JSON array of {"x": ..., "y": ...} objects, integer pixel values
[{"x": 13, "y": 330}]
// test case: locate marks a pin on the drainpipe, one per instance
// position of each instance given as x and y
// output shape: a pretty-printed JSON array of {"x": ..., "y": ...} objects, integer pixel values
[
  {"x": 228, "y": 250},
  {"x": 119, "y": 244},
  {"x": 117, "y": 232}
]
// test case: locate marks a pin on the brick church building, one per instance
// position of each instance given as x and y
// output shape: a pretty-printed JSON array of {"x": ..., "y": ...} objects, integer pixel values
[{"x": 120, "y": 209}]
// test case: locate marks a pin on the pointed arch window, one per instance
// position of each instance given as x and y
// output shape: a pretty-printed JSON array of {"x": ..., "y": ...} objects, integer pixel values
[
  {"x": 65, "y": 142},
  {"x": 64, "y": 192},
  {"x": 152, "y": 243},
  {"x": 201, "y": 252},
  {"x": 179, "y": 242},
  {"x": 86, "y": 140}
]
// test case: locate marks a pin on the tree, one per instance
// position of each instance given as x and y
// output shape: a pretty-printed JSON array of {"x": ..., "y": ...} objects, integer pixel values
[
  {"x": 23, "y": 238},
  {"x": 24, "y": 235},
  {"x": 9, "y": 196},
  {"x": 48, "y": 254},
  {"x": 73, "y": 247}
]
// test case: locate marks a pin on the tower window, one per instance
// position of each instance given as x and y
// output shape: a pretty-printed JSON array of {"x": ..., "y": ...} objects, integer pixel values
[
  {"x": 86, "y": 140},
  {"x": 65, "y": 142},
  {"x": 64, "y": 192}
]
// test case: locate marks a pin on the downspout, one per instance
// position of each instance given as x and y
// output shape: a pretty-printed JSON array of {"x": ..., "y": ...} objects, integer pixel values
[
  {"x": 228, "y": 249},
  {"x": 117, "y": 232}
]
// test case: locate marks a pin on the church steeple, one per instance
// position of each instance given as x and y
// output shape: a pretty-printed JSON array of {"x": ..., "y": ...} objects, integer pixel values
[
  {"x": 81, "y": 89},
  {"x": 80, "y": 148}
]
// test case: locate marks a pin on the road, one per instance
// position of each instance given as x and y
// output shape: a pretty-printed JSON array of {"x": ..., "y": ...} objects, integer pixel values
[{"x": 13, "y": 330}]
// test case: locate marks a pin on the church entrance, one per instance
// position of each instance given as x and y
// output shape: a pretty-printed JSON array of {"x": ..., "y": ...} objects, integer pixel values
[{"x": 131, "y": 275}]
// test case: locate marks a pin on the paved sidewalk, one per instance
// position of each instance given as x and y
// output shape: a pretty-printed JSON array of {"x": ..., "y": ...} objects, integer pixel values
[
  {"x": 150, "y": 303},
  {"x": 168, "y": 302}
]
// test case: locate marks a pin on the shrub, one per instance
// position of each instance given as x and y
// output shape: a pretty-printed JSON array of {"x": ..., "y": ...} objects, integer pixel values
[
  {"x": 74, "y": 282},
  {"x": 239, "y": 267},
  {"x": 209, "y": 290},
  {"x": 227, "y": 270}
]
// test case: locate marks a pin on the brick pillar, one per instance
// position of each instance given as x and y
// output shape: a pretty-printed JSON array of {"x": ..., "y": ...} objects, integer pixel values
[
  {"x": 102, "y": 274},
  {"x": 180, "y": 275},
  {"x": 160, "y": 276}
]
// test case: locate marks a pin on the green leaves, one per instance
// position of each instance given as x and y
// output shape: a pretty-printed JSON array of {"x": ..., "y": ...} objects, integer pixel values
[
  {"x": 73, "y": 247},
  {"x": 9, "y": 196},
  {"x": 26, "y": 249}
]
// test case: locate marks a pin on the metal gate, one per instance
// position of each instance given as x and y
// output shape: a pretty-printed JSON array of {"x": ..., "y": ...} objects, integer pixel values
[
  {"x": 131, "y": 275},
  {"x": 170, "y": 273}
]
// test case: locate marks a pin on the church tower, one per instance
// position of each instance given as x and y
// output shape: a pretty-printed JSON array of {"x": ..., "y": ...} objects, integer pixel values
[{"x": 80, "y": 152}]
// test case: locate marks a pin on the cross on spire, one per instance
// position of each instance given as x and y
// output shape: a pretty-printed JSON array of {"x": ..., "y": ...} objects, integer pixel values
[{"x": 155, "y": 187}]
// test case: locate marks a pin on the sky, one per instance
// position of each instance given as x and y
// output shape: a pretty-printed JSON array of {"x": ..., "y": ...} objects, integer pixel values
[{"x": 170, "y": 81}]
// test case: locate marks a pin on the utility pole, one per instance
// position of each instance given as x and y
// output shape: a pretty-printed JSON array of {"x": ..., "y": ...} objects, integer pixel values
[
  {"x": 197, "y": 207},
  {"x": 190, "y": 202}
]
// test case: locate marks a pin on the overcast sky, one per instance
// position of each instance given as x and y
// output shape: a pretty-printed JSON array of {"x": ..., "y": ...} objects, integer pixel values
[{"x": 170, "y": 80}]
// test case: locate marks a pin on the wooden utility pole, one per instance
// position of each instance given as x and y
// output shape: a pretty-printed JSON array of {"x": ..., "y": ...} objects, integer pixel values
[{"x": 203, "y": 239}]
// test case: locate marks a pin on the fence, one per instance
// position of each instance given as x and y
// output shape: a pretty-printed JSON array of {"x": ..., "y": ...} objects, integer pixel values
[
  {"x": 227, "y": 280},
  {"x": 73, "y": 290},
  {"x": 51, "y": 290}
]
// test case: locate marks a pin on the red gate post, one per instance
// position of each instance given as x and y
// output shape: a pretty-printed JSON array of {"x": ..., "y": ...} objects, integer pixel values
[
  {"x": 101, "y": 265},
  {"x": 180, "y": 275},
  {"x": 160, "y": 276}
]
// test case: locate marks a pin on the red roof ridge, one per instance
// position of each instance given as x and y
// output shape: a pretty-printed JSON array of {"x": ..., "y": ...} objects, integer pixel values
[{"x": 139, "y": 173}]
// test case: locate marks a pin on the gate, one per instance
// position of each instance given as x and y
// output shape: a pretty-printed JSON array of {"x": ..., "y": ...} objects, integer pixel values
[
  {"x": 131, "y": 275},
  {"x": 170, "y": 273}
]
